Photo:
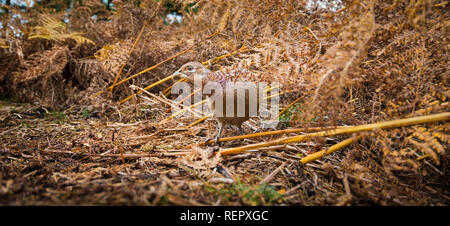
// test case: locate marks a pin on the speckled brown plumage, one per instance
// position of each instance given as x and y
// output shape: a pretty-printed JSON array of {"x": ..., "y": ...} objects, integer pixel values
[{"x": 226, "y": 79}]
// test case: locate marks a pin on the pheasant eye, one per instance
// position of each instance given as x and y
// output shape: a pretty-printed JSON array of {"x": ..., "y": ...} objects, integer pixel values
[{"x": 190, "y": 68}]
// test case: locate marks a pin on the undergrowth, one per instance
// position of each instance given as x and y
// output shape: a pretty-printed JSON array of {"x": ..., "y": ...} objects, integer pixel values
[{"x": 353, "y": 62}]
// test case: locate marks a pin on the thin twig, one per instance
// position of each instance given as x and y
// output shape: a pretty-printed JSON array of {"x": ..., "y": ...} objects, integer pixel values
[{"x": 272, "y": 175}]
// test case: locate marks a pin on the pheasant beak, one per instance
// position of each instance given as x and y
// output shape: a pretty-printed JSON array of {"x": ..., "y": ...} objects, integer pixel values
[{"x": 178, "y": 75}]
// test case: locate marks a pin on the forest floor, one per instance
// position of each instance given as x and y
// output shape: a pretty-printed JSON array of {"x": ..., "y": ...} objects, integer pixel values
[{"x": 74, "y": 158}]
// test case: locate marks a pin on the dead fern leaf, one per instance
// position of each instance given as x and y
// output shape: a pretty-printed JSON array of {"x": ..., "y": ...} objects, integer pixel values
[{"x": 3, "y": 44}]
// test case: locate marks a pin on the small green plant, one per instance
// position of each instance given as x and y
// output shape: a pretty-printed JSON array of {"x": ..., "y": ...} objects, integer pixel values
[
  {"x": 294, "y": 113},
  {"x": 164, "y": 201},
  {"x": 189, "y": 6},
  {"x": 58, "y": 116},
  {"x": 291, "y": 113},
  {"x": 86, "y": 114},
  {"x": 256, "y": 194}
]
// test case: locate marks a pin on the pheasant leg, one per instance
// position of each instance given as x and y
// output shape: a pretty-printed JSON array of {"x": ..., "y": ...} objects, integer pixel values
[{"x": 217, "y": 137}]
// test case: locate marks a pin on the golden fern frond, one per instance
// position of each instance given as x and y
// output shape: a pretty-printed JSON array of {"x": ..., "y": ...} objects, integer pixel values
[
  {"x": 3, "y": 44},
  {"x": 224, "y": 20},
  {"x": 425, "y": 147},
  {"x": 430, "y": 140},
  {"x": 442, "y": 136},
  {"x": 77, "y": 37},
  {"x": 55, "y": 30},
  {"x": 427, "y": 137},
  {"x": 113, "y": 56}
]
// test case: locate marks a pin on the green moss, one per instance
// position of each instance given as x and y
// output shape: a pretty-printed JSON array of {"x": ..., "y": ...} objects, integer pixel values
[
  {"x": 57, "y": 116},
  {"x": 86, "y": 114},
  {"x": 249, "y": 194}
]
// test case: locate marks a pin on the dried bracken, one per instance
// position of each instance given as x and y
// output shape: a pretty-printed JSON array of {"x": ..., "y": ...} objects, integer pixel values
[{"x": 98, "y": 128}]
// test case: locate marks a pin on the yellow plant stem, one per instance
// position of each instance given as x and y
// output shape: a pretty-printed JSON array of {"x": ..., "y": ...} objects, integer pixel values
[
  {"x": 200, "y": 120},
  {"x": 270, "y": 89},
  {"x": 274, "y": 95},
  {"x": 166, "y": 92},
  {"x": 167, "y": 78},
  {"x": 441, "y": 4},
  {"x": 153, "y": 95},
  {"x": 330, "y": 150},
  {"x": 422, "y": 157},
  {"x": 182, "y": 100},
  {"x": 146, "y": 88},
  {"x": 155, "y": 66},
  {"x": 381, "y": 125},
  {"x": 289, "y": 106},
  {"x": 134, "y": 45},
  {"x": 270, "y": 133},
  {"x": 182, "y": 111},
  {"x": 120, "y": 72},
  {"x": 148, "y": 69},
  {"x": 243, "y": 49}
]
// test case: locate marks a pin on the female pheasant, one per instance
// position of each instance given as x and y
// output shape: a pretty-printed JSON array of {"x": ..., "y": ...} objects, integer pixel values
[{"x": 227, "y": 80}]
